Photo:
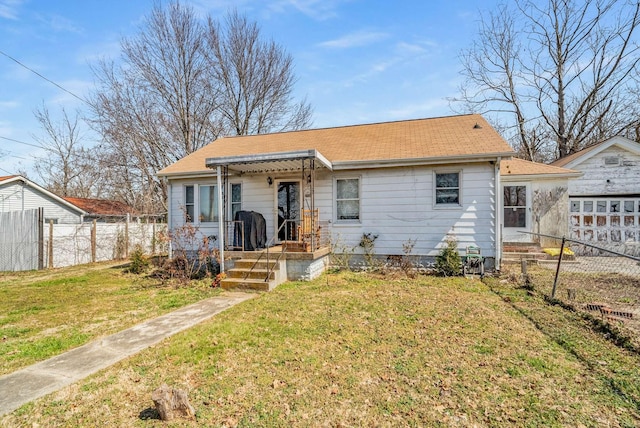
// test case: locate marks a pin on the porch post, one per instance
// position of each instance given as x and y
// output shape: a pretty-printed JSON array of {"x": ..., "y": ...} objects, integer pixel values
[{"x": 220, "y": 217}]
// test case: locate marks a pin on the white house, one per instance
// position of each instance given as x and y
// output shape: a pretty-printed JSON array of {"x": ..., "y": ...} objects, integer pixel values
[
  {"x": 604, "y": 202},
  {"x": 17, "y": 193},
  {"x": 423, "y": 180}
]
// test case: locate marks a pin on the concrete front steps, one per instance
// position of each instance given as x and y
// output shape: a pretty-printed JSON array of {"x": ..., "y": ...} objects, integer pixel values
[{"x": 249, "y": 273}]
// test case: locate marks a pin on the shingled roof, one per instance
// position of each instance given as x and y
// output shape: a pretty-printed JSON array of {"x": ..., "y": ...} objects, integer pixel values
[
  {"x": 565, "y": 160},
  {"x": 521, "y": 167},
  {"x": 430, "y": 140},
  {"x": 101, "y": 206}
]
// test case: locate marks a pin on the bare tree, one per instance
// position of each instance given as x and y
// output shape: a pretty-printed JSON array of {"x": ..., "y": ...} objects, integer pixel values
[
  {"x": 560, "y": 74},
  {"x": 67, "y": 168},
  {"x": 256, "y": 79},
  {"x": 181, "y": 84},
  {"x": 159, "y": 104}
]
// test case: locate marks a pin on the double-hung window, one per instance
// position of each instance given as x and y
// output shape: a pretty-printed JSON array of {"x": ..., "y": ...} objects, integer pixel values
[
  {"x": 189, "y": 203},
  {"x": 447, "y": 188},
  {"x": 348, "y": 199}
]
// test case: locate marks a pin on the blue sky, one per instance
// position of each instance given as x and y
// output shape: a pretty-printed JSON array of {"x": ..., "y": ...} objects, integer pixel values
[{"x": 356, "y": 61}]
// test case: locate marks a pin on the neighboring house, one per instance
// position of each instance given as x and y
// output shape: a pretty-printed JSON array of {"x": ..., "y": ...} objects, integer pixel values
[
  {"x": 17, "y": 193},
  {"x": 103, "y": 210},
  {"x": 420, "y": 180},
  {"x": 535, "y": 200},
  {"x": 604, "y": 203}
]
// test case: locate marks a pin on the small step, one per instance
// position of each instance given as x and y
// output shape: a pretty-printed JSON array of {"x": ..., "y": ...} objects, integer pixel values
[
  {"x": 252, "y": 274},
  {"x": 244, "y": 284},
  {"x": 522, "y": 248},
  {"x": 253, "y": 264},
  {"x": 513, "y": 256}
]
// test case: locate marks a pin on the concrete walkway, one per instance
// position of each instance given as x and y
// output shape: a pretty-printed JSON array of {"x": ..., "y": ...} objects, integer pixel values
[{"x": 35, "y": 381}]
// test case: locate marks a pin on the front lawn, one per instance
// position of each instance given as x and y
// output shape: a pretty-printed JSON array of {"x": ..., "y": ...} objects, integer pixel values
[
  {"x": 43, "y": 313},
  {"x": 352, "y": 349}
]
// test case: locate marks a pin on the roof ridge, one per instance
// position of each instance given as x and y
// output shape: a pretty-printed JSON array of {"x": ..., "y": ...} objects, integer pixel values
[{"x": 356, "y": 125}]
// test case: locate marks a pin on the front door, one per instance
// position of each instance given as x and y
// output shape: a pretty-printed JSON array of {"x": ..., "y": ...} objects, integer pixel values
[
  {"x": 288, "y": 209},
  {"x": 516, "y": 213}
]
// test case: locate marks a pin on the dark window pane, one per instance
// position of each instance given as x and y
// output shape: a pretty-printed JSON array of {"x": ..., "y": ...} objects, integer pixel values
[
  {"x": 447, "y": 180},
  {"x": 515, "y": 196},
  {"x": 188, "y": 198},
  {"x": 515, "y": 217},
  {"x": 236, "y": 192}
]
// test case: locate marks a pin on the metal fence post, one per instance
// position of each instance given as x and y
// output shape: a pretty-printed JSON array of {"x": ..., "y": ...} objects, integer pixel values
[{"x": 555, "y": 280}]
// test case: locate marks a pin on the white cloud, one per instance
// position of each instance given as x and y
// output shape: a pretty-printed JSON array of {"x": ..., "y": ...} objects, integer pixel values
[
  {"x": 356, "y": 39},
  {"x": 9, "y": 9},
  {"x": 62, "y": 24}
]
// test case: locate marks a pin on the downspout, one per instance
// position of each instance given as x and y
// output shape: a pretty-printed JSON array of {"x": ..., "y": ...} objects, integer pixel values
[
  {"x": 498, "y": 216},
  {"x": 220, "y": 217},
  {"x": 169, "y": 217}
]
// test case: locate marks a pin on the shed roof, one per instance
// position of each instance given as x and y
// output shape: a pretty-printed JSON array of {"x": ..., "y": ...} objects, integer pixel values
[
  {"x": 101, "y": 206},
  {"x": 454, "y": 138},
  {"x": 520, "y": 167}
]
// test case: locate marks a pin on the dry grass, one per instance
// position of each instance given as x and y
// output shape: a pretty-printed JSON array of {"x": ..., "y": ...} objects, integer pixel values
[
  {"x": 43, "y": 313},
  {"x": 618, "y": 291},
  {"x": 368, "y": 351}
]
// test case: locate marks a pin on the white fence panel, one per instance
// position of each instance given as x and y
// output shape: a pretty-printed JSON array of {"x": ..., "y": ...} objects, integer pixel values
[{"x": 19, "y": 240}]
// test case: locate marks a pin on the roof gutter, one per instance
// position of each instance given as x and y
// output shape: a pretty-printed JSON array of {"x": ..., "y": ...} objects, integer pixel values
[
  {"x": 388, "y": 163},
  {"x": 551, "y": 176}
]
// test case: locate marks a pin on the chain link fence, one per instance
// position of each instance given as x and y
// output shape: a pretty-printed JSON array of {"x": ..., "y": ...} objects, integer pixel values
[{"x": 593, "y": 279}]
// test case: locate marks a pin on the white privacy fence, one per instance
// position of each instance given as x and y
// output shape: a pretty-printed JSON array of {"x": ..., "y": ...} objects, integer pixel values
[
  {"x": 27, "y": 243},
  {"x": 74, "y": 244},
  {"x": 20, "y": 240}
]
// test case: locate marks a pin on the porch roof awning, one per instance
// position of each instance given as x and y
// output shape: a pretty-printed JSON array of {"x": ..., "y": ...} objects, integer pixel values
[{"x": 269, "y": 162}]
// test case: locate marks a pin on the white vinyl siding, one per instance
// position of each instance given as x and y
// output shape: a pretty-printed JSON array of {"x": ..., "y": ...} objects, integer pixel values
[
  {"x": 16, "y": 196},
  {"x": 395, "y": 203}
]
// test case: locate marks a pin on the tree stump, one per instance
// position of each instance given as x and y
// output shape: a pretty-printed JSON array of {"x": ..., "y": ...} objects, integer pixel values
[{"x": 171, "y": 403}]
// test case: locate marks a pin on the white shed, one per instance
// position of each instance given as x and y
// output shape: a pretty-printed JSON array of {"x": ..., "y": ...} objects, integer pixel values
[
  {"x": 17, "y": 193},
  {"x": 604, "y": 203}
]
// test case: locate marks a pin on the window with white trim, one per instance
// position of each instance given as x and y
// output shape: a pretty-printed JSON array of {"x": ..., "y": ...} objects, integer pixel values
[
  {"x": 447, "y": 188},
  {"x": 189, "y": 203},
  {"x": 347, "y": 199},
  {"x": 208, "y": 204}
]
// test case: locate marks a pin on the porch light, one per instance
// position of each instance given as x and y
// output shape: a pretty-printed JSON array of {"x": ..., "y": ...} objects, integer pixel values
[
  {"x": 269, "y": 181},
  {"x": 309, "y": 179}
]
